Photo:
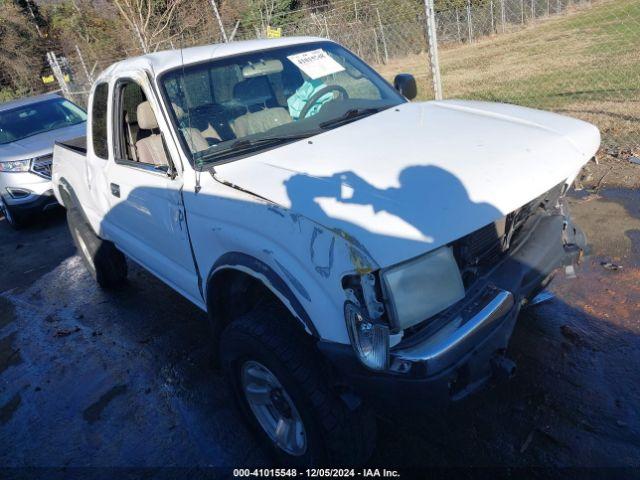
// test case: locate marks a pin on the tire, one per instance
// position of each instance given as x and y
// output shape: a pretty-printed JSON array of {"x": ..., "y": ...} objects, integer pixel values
[
  {"x": 333, "y": 434},
  {"x": 14, "y": 219},
  {"x": 103, "y": 260}
]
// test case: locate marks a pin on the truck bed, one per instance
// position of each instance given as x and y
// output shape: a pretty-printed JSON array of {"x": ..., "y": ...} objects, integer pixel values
[{"x": 78, "y": 145}]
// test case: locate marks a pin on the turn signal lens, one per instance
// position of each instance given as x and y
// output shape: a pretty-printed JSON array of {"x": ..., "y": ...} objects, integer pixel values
[{"x": 370, "y": 340}]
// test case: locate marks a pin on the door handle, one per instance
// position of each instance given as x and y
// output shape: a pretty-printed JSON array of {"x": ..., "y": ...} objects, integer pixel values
[{"x": 115, "y": 190}]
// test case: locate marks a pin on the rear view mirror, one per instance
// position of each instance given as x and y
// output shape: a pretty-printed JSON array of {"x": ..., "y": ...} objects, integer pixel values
[{"x": 405, "y": 83}]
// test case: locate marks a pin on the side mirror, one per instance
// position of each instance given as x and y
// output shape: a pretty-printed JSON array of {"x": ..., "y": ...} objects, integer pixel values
[{"x": 406, "y": 84}]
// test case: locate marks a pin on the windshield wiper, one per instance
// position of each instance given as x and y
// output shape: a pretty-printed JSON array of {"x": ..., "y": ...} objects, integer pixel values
[
  {"x": 246, "y": 145},
  {"x": 349, "y": 116}
]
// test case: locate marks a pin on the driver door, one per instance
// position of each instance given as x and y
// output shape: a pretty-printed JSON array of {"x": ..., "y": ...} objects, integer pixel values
[{"x": 146, "y": 216}]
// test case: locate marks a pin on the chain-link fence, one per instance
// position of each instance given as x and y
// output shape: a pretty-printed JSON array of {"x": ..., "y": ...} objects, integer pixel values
[{"x": 577, "y": 57}]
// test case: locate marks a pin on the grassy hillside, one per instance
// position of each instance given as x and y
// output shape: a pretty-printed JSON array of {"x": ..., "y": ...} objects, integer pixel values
[{"x": 585, "y": 63}]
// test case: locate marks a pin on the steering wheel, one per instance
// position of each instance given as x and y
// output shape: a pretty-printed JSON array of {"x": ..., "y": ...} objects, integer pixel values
[{"x": 318, "y": 95}]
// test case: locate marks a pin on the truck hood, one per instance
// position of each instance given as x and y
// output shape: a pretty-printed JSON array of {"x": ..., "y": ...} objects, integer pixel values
[
  {"x": 412, "y": 178},
  {"x": 40, "y": 144}
]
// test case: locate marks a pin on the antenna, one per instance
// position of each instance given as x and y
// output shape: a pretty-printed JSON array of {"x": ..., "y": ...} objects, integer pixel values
[{"x": 198, "y": 162}]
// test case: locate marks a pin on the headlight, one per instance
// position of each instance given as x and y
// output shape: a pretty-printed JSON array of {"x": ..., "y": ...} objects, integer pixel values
[
  {"x": 420, "y": 288},
  {"x": 370, "y": 340},
  {"x": 15, "y": 166}
]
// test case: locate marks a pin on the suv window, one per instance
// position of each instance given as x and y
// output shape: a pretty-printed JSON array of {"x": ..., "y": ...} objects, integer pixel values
[
  {"x": 99, "y": 120},
  {"x": 38, "y": 117}
]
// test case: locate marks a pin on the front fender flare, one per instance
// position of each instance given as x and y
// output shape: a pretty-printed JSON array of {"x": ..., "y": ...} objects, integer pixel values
[{"x": 268, "y": 277}]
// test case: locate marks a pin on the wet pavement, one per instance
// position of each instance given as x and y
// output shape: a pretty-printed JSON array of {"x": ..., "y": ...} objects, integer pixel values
[{"x": 89, "y": 378}]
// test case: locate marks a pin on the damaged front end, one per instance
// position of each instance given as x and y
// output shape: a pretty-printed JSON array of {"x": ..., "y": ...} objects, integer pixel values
[{"x": 455, "y": 351}]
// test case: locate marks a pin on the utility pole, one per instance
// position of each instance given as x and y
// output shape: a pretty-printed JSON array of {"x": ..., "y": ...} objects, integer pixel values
[
  {"x": 220, "y": 24},
  {"x": 57, "y": 72},
  {"x": 432, "y": 39}
]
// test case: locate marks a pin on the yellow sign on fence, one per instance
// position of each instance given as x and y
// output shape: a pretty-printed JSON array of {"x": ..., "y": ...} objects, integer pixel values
[{"x": 274, "y": 32}]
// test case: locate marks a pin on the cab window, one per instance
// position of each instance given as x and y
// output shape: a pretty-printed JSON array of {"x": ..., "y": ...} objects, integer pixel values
[{"x": 99, "y": 120}]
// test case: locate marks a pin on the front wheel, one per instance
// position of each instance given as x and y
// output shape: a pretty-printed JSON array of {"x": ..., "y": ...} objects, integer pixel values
[
  {"x": 15, "y": 220},
  {"x": 283, "y": 389}
]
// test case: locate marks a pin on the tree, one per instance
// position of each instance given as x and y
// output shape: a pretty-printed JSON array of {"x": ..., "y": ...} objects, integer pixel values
[
  {"x": 21, "y": 49},
  {"x": 156, "y": 22}
]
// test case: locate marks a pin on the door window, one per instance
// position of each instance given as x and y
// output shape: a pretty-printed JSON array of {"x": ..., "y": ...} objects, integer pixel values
[{"x": 138, "y": 137}]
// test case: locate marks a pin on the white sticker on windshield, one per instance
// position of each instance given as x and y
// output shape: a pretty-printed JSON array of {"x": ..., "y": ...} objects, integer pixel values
[{"x": 316, "y": 63}]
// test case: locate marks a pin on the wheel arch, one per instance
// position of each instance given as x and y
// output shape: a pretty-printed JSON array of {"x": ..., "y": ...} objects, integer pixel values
[{"x": 238, "y": 281}]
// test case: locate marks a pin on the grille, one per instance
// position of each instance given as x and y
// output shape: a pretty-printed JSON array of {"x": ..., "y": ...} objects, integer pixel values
[
  {"x": 42, "y": 166},
  {"x": 482, "y": 249}
]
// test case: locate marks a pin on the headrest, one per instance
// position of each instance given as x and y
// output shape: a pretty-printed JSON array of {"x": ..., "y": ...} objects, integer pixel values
[
  {"x": 253, "y": 90},
  {"x": 264, "y": 67},
  {"x": 146, "y": 118}
]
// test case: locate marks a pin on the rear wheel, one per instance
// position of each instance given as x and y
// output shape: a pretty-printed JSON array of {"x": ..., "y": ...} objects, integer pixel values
[
  {"x": 284, "y": 391},
  {"x": 104, "y": 261}
]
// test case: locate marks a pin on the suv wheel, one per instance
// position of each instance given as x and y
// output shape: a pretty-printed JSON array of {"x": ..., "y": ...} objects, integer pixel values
[
  {"x": 15, "y": 220},
  {"x": 282, "y": 387},
  {"x": 104, "y": 261}
]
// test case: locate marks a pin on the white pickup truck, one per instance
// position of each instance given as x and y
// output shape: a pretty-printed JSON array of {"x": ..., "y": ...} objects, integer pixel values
[{"x": 353, "y": 250}]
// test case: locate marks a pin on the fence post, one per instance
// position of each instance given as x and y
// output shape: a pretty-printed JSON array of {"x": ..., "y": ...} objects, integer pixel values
[
  {"x": 469, "y": 24},
  {"x": 84, "y": 65},
  {"x": 432, "y": 39},
  {"x": 57, "y": 72},
  {"x": 220, "y": 24},
  {"x": 522, "y": 10},
  {"x": 384, "y": 39}
]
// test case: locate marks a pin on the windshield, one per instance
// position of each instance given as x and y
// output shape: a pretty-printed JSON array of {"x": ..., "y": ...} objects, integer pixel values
[
  {"x": 28, "y": 120},
  {"x": 235, "y": 106}
]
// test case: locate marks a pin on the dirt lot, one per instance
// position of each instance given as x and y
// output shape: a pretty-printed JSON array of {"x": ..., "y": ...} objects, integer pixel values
[{"x": 121, "y": 379}]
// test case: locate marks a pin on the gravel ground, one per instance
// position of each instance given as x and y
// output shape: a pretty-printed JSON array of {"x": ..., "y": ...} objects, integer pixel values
[{"x": 95, "y": 379}]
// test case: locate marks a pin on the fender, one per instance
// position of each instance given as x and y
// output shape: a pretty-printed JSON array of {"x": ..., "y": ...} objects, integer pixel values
[
  {"x": 70, "y": 199},
  {"x": 268, "y": 277}
]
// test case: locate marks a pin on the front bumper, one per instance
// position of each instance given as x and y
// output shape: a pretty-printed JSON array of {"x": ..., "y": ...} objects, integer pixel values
[
  {"x": 462, "y": 356},
  {"x": 33, "y": 203},
  {"x": 25, "y": 190}
]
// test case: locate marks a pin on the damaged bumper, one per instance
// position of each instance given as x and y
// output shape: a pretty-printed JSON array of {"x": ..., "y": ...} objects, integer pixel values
[{"x": 467, "y": 349}]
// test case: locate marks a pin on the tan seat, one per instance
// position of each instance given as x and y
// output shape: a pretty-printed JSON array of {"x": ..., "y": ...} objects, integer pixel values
[
  {"x": 260, "y": 122},
  {"x": 150, "y": 149},
  {"x": 196, "y": 139}
]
